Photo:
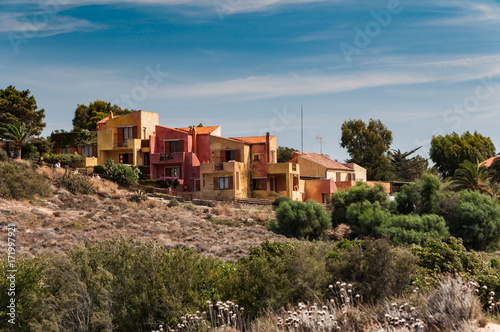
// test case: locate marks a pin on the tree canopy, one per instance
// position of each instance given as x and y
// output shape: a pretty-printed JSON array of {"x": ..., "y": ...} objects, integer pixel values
[
  {"x": 367, "y": 144},
  {"x": 86, "y": 117},
  {"x": 285, "y": 154},
  {"x": 407, "y": 169},
  {"x": 449, "y": 151},
  {"x": 18, "y": 134},
  {"x": 20, "y": 106}
]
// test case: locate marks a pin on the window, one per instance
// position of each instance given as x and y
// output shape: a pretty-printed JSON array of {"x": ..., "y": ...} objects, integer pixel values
[
  {"x": 125, "y": 158},
  {"x": 128, "y": 133},
  {"x": 257, "y": 156},
  {"x": 230, "y": 155},
  {"x": 223, "y": 183},
  {"x": 87, "y": 151},
  {"x": 146, "y": 159},
  {"x": 65, "y": 150},
  {"x": 174, "y": 172},
  {"x": 174, "y": 146},
  {"x": 259, "y": 184},
  {"x": 125, "y": 133}
]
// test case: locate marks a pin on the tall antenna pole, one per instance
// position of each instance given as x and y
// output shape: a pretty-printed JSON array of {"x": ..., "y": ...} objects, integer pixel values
[
  {"x": 301, "y": 128},
  {"x": 320, "y": 141}
]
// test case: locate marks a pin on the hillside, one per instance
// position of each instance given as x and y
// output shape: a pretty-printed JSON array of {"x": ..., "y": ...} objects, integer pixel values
[{"x": 224, "y": 231}]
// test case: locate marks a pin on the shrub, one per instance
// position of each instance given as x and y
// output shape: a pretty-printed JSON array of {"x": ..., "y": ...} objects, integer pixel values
[
  {"x": 3, "y": 156},
  {"x": 173, "y": 202},
  {"x": 75, "y": 183},
  {"x": 301, "y": 220},
  {"x": 99, "y": 169},
  {"x": 19, "y": 181},
  {"x": 416, "y": 229},
  {"x": 168, "y": 182},
  {"x": 150, "y": 189},
  {"x": 477, "y": 221},
  {"x": 70, "y": 160},
  {"x": 139, "y": 196},
  {"x": 359, "y": 193},
  {"x": 452, "y": 305},
  {"x": 123, "y": 174},
  {"x": 278, "y": 200},
  {"x": 420, "y": 197}
]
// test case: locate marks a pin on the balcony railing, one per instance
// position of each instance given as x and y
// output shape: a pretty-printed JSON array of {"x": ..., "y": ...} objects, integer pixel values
[
  {"x": 166, "y": 156},
  {"x": 121, "y": 144}
]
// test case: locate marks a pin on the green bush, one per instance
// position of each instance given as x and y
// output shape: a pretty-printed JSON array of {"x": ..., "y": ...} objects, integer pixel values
[
  {"x": 301, "y": 220},
  {"x": 75, "y": 183},
  {"x": 361, "y": 192},
  {"x": 365, "y": 218},
  {"x": 420, "y": 197},
  {"x": 173, "y": 202},
  {"x": 121, "y": 173},
  {"x": 408, "y": 229},
  {"x": 70, "y": 160},
  {"x": 278, "y": 200},
  {"x": 99, "y": 169},
  {"x": 477, "y": 221},
  {"x": 3, "y": 156},
  {"x": 19, "y": 181}
]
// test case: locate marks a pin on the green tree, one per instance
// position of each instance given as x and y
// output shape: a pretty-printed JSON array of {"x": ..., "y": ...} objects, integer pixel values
[
  {"x": 18, "y": 134},
  {"x": 367, "y": 144},
  {"x": 449, "y": 151},
  {"x": 285, "y": 154},
  {"x": 471, "y": 176},
  {"x": 404, "y": 168},
  {"x": 86, "y": 117},
  {"x": 301, "y": 220},
  {"x": 20, "y": 106}
]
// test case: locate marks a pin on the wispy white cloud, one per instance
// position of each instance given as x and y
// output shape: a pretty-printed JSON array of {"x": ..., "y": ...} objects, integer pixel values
[
  {"x": 468, "y": 12},
  {"x": 43, "y": 24}
]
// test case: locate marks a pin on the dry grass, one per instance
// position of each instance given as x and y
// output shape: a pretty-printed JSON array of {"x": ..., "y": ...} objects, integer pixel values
[
  {"x": 105, "y": 187},
  {"x": 50, "y": 173},
  {"x": 223, "y": 210}
]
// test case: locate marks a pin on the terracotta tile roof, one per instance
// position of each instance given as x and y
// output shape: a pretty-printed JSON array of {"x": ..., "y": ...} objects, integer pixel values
[
  {"x": 201, "y": 130},
  {"x": 324, "y": 161},
  {"x": 252, "y": 139},
  {"x": 489, "y": 162},
  {"x": 107, "y": 118}
]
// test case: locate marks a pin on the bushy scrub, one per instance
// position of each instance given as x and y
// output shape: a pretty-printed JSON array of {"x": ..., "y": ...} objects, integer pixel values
[
  {"x": 360, "y": 193},
  {"x": 277, "y": 201},
  {"x": 99, "y": 169},
  {"x": 301, "y": 220},
  {"x": 373, "y": 220},
  {"x": 20, "y": 181},
  {"x": 477, "y": 220},
  {"x": 408, "y": 229},
  {"x": 75, "y": 183},
  {"x": 70, "y": 160},
  {"x": 121, "y": 173},
  {"x": 421, "y": 197},
  {"x": 168, "y": 182}
]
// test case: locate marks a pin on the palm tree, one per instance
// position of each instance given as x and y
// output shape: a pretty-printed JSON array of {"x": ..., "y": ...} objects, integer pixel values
[
  {"x": 471, "y": 176},
  {"x": 18, "y": 134}
]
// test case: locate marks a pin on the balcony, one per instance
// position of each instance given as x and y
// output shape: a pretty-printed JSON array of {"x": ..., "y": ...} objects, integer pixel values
[
  {"x": 218, "y": 166},
  {"x": 123, "y": 144},
  {"x": 227, "y": 167},
  {"x": 166, "y": 158}
]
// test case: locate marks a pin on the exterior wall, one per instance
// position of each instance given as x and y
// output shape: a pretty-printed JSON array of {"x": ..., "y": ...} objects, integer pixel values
[
  {"x": 309, "y": 168},
  {"x": 259, "y": 169},
  {"x": 107, "y": 147},
  {"x": 315, "y": 189},
  {"x": 203, "y": 148},
  {"x": 387, "y": 185},
  {"x": 236, "y": 170},
  {"x": 359, "y": 171},
  {"x": 339, "y": 175}
]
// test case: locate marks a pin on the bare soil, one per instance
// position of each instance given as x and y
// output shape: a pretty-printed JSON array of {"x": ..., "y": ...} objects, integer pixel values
[{"x": 224, "y": 231}]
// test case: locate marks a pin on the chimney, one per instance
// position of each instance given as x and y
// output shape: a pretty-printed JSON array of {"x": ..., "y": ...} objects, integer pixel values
[
  {"x": 195, "y": 141},
  {"x": 268, "y": 148},
  {"x": 110, "y": 115}
]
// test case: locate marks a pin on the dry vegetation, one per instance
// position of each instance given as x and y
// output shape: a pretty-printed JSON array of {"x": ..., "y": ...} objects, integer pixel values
[{"x": 225, "y": 231}]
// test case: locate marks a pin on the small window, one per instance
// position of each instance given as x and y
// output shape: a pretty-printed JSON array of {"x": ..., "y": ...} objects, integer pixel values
[
  {"x": 146, "y": 159},
  {"x": 223, "y": 183},
  {"x": 259, "y": 184},
  {"x": 65, "y": 150},
  {"x": 256, "y": 157},
  {"x": 87, "y": 151},
  {"x": 174, "y": 172}
]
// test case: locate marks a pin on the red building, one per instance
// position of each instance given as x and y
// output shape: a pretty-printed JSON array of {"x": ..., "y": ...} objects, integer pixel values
[{"x": 178, "y": 152}]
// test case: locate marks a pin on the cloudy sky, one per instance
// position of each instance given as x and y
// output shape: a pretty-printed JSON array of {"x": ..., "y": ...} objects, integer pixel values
[{"x": 422, "y": 67}]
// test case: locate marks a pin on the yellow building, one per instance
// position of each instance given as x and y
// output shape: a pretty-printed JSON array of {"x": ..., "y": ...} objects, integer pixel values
[
  {"x": 243, "y": 167},
  {"x": 125, "y": 138}
]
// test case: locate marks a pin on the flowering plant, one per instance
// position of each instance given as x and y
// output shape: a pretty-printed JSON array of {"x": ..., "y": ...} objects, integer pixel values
[{"x": 168, "y": 182}]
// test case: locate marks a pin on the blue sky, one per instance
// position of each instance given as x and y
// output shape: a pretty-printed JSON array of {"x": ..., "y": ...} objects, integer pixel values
[{"x": 422, "y": 67}]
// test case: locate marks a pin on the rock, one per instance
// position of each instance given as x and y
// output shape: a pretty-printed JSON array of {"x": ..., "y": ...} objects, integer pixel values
[
  {"x": 40, "y": 212},
  {"x": 63, "y": 192},
  {"x": 212, "y": 203}
]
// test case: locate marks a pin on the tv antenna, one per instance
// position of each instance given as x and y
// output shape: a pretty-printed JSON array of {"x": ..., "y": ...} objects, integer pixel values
[{"x": 320, "y": 141}]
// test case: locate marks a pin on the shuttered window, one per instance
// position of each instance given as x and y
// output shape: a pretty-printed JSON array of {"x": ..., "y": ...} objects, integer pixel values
[
  {"x": 223, "y": 183},
  {"x": 174, "y": 146}
]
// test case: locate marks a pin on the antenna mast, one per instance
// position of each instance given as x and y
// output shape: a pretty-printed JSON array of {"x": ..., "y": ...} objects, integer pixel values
[
  {"x": 320, "y": 141},
  {"x": 301, "y": 128}
]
